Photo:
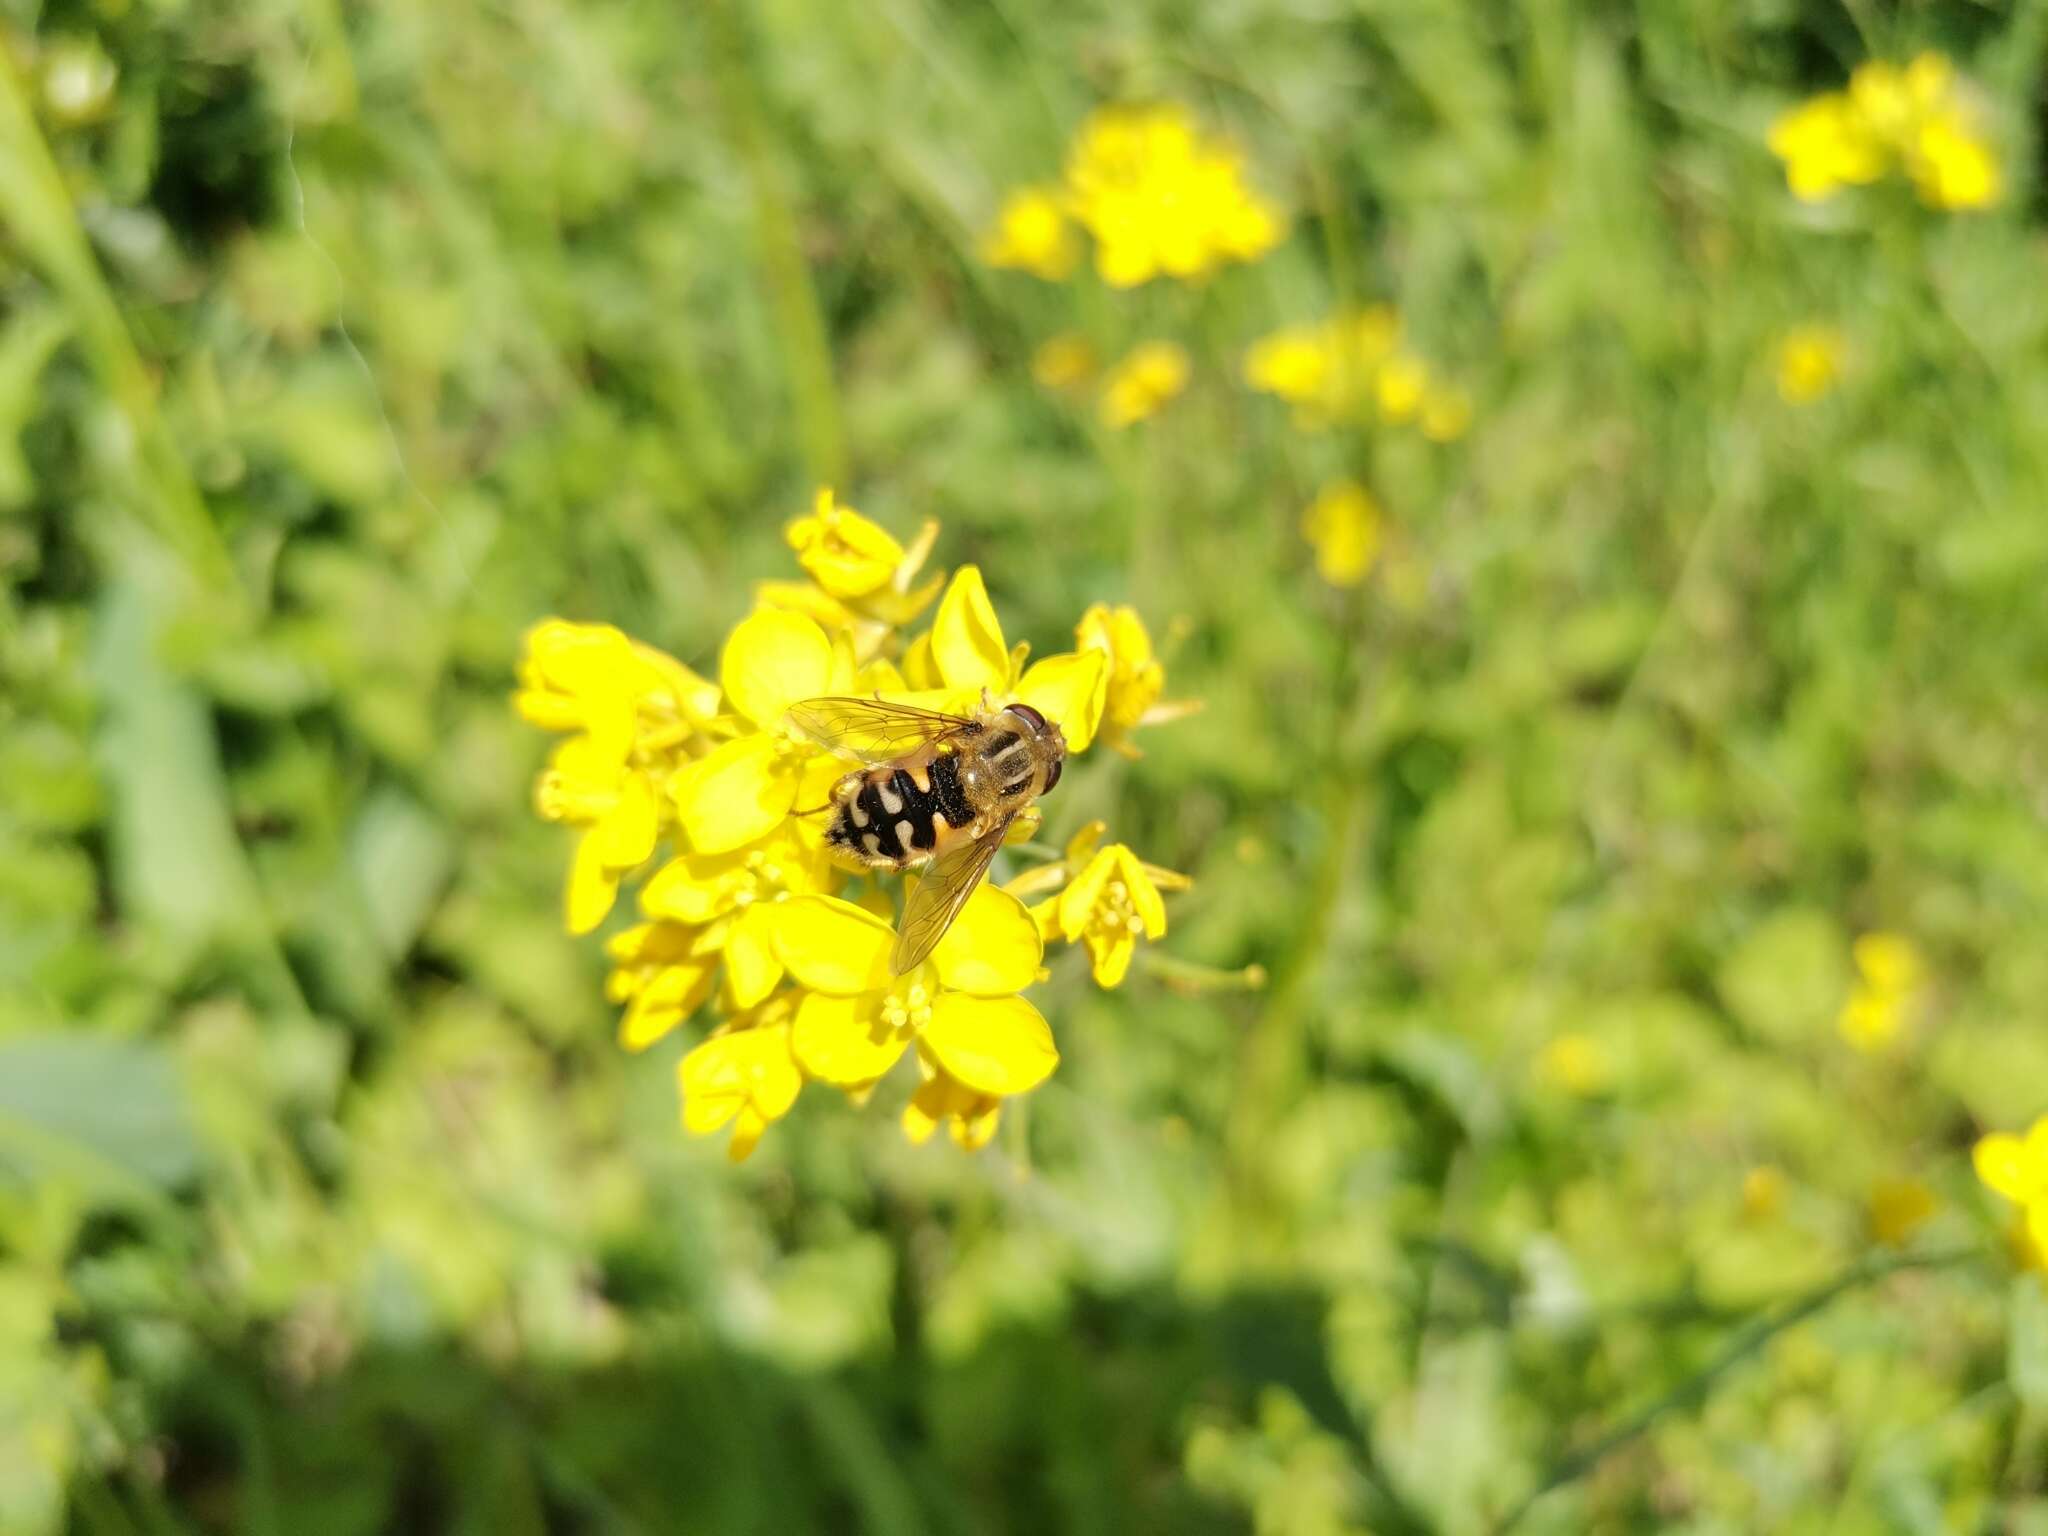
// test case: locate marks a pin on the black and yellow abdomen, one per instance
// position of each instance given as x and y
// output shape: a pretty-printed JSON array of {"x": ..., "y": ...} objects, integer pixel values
[{"x": 894, "y": 815}]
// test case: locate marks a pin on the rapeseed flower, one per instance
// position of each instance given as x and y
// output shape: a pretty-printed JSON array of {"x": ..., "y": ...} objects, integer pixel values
[
  {"x": 1889, "y": 978},
  {"x": 1108, "y": 898},
  {"x": 1353, "y": 366},
  {"x": 1343, "y": 526},
  {"x": 2016, "y": 1167},
  {"x": 1139, "y": 386},
  {"x": 706, "y": 792},
  {"x": 1809, "y": 362},
  {"x": 1157, "y": 196},
  {"x": 1917, "y": 120}
]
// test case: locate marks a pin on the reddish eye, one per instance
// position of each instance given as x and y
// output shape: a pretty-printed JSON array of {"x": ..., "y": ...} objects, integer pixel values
[
  {"x": 1052, "y": 774},
  {"x": 1037, "y": 720}
]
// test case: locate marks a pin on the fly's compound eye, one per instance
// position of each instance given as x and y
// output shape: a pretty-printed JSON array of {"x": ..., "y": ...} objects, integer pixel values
[
  {"x": 1052, "y": 774},
  {"x": 1036, "y": 720}
]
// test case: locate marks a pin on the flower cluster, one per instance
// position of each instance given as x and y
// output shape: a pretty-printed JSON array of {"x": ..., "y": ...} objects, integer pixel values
[
  {"x": 2017, "y": 1168},
  {"x": 1352, "y": 365},
  {"x": 706, "y": 795},
  {"x": 1917, "y": 120},
  {"x": 1889, "y": 977},
  {"x": 1156, "y": 195},
  {"x": 1344, "y": 527}
]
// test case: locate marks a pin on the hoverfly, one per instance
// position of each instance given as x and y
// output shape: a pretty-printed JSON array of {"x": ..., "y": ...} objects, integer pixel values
[{"x": 937, "y": 789}]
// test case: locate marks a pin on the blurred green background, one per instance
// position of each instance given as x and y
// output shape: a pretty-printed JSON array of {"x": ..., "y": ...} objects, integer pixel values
[{"x": 339, "y": 343}]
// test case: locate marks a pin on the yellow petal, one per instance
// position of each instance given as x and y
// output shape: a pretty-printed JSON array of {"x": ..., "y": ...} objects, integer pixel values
[
  {"x": 674, "y": 993},
  {"x": 842, "y": 1040},
  {"x": 967, "y": 641},
  {"x": 997, "y": 1045},
  {"x": 773, "y": 659},
  {"x": 749, "y": 1068},
  {"x": 1110, "y": 956},
  {"x": 735, "y": 794},
  {"x": 625, "y": 834},
  {"x": 695, "y": 887},
  {"x": 919, "y": 670},
  {"x": 1078, "y": 900},
  {"x": 2001, "y": 1162},
  {"x": 752, "y": 968},
  {"x": 593, "y": 885},
  {"x": 834, "y": 946},
  {"x": 1145, "y": 898},
  {"x": 1070, "y": 691},
  {"x": 992, "y": 948}
]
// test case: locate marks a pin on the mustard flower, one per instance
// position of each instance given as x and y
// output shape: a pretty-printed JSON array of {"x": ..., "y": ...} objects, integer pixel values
[
  {"x": 1351, "y": 364},
  {"x": 1889, "y": 977},
  {"x": 662, "y": 972},
  {"x": 960, "y": 1008},
  {"x": 1344, "y": 527},
  {"x": 2016, "y": 1167},
  {"x": 966, "y": 653},
  {"x": 1809, "y": 362},
  {"x": 1110, "y": 900},
  {"x": 864, "y": 580},
  {"x": 1145, "y": 381},
  {"x": 744, "y": 1075},
  {"x": 1918, "y": 120},
  {"x": 1136, "y": 675},
  {"x": 1032, "y": 234},
  {"x": 1162, "y": 199}
]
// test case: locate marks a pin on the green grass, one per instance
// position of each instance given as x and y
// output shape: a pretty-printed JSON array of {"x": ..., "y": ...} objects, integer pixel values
[{"x": 340, "y": 343}]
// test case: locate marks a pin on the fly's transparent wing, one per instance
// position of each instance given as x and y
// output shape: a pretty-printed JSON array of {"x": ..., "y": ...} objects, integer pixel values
[
  {"x": 871, "y": 730},
  {"x": 941, "y": 891}
]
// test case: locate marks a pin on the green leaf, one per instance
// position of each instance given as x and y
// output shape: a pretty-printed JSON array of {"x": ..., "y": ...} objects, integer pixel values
[
  {"x": 110, "y": 1113},
  {"x": 401, "y": 857}
]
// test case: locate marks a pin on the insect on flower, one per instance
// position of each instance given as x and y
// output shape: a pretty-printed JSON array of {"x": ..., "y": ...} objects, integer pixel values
[{"x": 937, "y": 789}]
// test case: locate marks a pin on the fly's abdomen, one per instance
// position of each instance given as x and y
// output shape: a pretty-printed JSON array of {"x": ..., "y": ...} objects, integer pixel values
[{"x": 892, "y": 820}]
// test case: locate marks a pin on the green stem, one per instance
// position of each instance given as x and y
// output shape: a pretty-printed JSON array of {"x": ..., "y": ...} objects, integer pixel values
[
  {"x": 792, "y": 296},
  {"x": 1747, "y": 1342},
  {"x": 37, "y": 211}
]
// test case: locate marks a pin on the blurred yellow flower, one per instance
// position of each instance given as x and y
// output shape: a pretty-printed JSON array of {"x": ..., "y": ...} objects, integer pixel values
[
  {"x": 1889, "y": 977},
  {"x": 1399, "y": 387},
  {"x": 1576, "y": 1064},
  {"x": 1898, "y": 1209},
  {"x": 1161, "y": 198},
  {"x": 1032, "y": 234},
  {"x": 1063, "y": 362},
  {"x": 1918, "y": 120},
  {"x": 1151, "y": 375},
  {"x": 1352, "y": 363},
  {"x": 959, "y": 1007},
  {"x": 2017, "y": 1168},
  {"x": 1446, "y": 413},
  {"x": 1809, "y": 363},
  {"x": 1343, "y": 525}
]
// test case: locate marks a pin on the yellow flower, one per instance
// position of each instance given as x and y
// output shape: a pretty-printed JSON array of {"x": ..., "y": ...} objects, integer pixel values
[
  {"x": 1400, "y": 387},
  {"x": 1918, "y": 119},
  {"x": 959, "y": 1008},
  {"x": 1031, "y": 234},
  {"x": 740, "y": 790},
  {"x": 1890, "y": 974},
  {"x": 845, "y": 553},
  {"x": 1826, "y": 145},
  {"x": 1136, "y": 676},
  {"x": 1162, "y": 199},
  {"x": 744, "y": 1075},
  {"x": 1297, "y": 364},
  {"x": 1809, "y": 362},
  {"x": 1111, "y": 899},
  {"x": 1333, "y": 370},
  {"x": 1064, "y": 362},
  {"x": 734, "y": 893},
  {"x": 941, "y": 1099},
  {"x": 2017, "y": 1168},
  {"x": 1343, "y": 525},
  {"x": 966, "y": 653},
  {"x": 662, "y": 972},
  {"x": 1898, "y": 1209},
  {"x": 1576, "y": 1064},
  {"x": 1136, "y": 388}
]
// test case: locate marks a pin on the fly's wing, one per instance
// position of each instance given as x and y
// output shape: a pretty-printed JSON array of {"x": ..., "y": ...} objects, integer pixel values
[
  {"x": 941, "y": 891},
  {"x": 871, "y": 730}
]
